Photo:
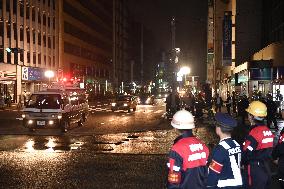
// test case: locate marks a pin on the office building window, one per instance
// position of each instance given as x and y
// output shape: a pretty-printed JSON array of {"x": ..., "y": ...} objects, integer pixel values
[
  {"x": 49, "y": 42},
  {"x": 8, "y": 30},
  {"x": 15, "y": 31},
  {"x": 34, "y": 37},
  {"x": 49, "y": 60},
  {"x": 33, "y": 14},
  {"x": 39, "y": 18},
  {"x": 54, "y": 61},
  {"x": 15, "y": 6},
  {"x": 39, "y": 39},
  {"x": 28, "y": 36},
  {"x": 28, "y": 57},
  {"x": 28, "y": 12},
  {"x": 21, "y": 34},
  {"x": 34, "y": 58},
  {"x": 7, "y": 6},
  {"x": 21, "y": 57},
  {"x": 9, "y": 58},
  {"x": 39, "y": 58},
  {"x": 44, "y": 40}
]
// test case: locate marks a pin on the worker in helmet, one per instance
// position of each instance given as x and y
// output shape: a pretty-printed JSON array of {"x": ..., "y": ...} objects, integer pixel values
[
  {"x": 188, "y": 156},
  {"x": 257, "y": 148},
  {"x": 224, "y": 164}
]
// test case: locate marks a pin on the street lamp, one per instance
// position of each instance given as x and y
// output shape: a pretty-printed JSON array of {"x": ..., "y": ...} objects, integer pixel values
[
  {"x": 49, "y": 74},
  {"x": 184, "y": 71}
]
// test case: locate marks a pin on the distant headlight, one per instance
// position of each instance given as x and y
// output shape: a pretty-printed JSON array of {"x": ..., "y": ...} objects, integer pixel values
[
  {"x": 113, "y": 104},
  {"x": 125, "y": 104},
  {"x": 52, "y": 115},
  {"x": 23, "y": 115},
  {"x": 50, "y": 122},
  {"x": 30, "y": 122},
  {"x": 59, "y": 116}
]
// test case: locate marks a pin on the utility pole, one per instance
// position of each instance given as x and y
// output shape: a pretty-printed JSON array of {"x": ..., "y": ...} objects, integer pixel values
[
  {"x": 142, "y": 55},
  {"x": 173, "y": 64}
]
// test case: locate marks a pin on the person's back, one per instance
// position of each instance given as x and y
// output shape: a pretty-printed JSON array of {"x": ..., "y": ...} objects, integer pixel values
[{"x": 188, "y": 156}]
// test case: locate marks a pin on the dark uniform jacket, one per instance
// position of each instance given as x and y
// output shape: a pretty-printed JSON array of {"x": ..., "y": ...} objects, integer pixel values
[
  {"x": 257, "y": 151},
  {"x": 278, "y": 153},
  {"x": 258, "y": 145},
  {"x": 187, "y": 163},
  {"x": 224, "y": 168}
]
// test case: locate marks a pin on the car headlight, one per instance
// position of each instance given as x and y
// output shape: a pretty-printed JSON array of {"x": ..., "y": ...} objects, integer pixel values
[
  {"x": 52, "y": 115},
  {"x": 30, "y": 122},
  {"x": 125, "y": 104},
  {"x": 113, "y": 104},
  {"x": 50, "y": 122},
  {"x": 23, "y": 115},
  {"x": 59, "y": 116}
]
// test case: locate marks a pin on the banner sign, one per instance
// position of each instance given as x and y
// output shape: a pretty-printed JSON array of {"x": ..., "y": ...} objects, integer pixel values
[
  {"x": 33, "y": 74},
  {"x": 7, "y": 75},
  {"x": 227, "y": 39}
]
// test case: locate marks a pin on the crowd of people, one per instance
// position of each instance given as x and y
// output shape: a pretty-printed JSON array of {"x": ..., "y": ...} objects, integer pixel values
[
  {"x": 230, "y": 165},
  {"x": 234, "y": 104}
]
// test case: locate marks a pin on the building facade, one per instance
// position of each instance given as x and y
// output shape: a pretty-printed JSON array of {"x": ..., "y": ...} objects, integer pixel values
[
  {"x": 85, "y": 43},
  {"x": 28, "y": 36}
]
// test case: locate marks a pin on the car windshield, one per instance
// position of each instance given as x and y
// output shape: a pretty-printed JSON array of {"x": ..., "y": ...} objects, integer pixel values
[
  {"x": 123, "y": 98},
  {"x": 45, "y": 101}
]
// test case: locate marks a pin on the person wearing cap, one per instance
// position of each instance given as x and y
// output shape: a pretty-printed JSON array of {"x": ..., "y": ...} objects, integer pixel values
[
  {"x": 188, "y": 156},
  {"x": 257, "y": 148},
  {"x": 224, "y": 164}
]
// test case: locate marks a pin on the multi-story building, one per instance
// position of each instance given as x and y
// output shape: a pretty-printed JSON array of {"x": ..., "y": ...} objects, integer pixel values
[
  {"x": 28, "y": 44},
  {"x": 85, "y": 42},
  {"x": 77, "y": 40},
  {"x": 256, "y": 46}
]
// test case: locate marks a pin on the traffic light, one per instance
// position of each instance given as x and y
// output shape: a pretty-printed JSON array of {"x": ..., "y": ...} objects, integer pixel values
[{"x": 15, "y": 51}]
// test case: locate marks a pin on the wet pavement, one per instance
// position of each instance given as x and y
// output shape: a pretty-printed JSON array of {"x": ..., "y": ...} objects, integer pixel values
[{"x": 79, "y": 159}]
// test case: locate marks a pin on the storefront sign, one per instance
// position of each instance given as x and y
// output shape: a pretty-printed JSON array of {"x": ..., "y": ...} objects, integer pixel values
[
  {"x": 33, "y": 74},
  {"x": 227, "y": 39},
  {"x": 260, "y": 74},
  {"x": 7, "y": 75}
]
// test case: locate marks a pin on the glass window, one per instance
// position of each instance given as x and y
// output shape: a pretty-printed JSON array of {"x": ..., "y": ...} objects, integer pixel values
[
  {"x": 47, "y": 101},
  {"x": 28, "y": 57}
]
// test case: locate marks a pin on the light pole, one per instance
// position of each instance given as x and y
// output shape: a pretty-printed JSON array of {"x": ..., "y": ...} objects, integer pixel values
[{"x": 49, "y": 74}]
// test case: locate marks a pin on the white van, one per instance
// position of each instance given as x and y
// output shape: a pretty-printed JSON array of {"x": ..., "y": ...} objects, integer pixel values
[{"x": 55, "y": 108}]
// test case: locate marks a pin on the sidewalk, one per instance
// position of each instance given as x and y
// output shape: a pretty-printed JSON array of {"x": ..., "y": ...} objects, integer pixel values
[{"x": 12, "y": 108}]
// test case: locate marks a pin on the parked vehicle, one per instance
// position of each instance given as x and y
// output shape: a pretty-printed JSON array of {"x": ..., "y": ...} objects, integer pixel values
[
  {"x": 55, "y": 108},
  {"x": 124, "y": 102},
  {"x": 146, "y": 99}
]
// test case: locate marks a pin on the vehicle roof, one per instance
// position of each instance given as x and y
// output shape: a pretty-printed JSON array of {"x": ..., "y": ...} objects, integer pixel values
[{"x": 48, "y": 92}]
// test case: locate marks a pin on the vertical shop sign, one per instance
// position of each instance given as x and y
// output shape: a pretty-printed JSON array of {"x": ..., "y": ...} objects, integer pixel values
[
  {"x": 227, "y": 39},
  {"x": 25, "y": 73}
]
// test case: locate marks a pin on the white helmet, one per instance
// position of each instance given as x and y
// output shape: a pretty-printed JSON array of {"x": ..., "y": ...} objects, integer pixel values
[{"x": 183, "y": 120}]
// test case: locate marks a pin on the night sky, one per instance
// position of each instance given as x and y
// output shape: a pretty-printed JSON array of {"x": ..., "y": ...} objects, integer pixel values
[{"x": 191, "y": 27}]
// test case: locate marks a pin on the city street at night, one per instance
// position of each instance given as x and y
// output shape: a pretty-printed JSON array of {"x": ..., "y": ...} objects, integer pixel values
[
  {"x": 130, "y": 154},
  {"x": 141, "y": 94}
]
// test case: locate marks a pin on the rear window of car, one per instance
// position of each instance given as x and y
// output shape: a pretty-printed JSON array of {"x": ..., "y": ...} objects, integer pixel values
[{"x": 123, "y": 98}]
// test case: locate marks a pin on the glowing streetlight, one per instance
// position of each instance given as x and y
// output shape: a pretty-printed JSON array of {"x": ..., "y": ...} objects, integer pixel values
[
  {"x": 49, "y": 74},
  {"x": 184, "y": 71}
]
